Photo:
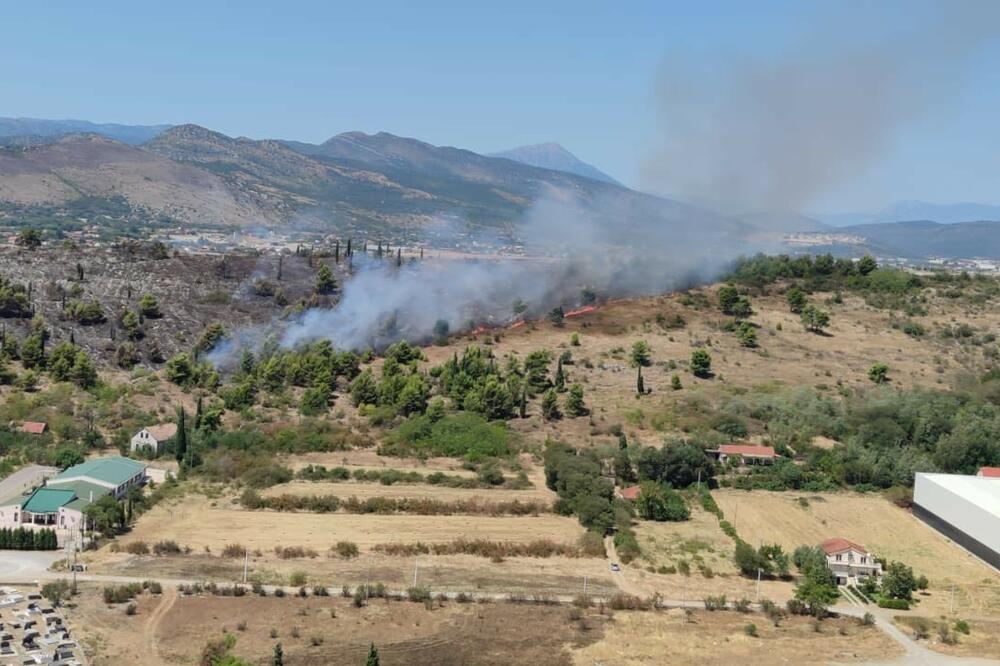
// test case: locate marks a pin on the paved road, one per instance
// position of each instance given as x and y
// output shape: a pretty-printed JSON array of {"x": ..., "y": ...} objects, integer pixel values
[
  {"x": 23, "y": 479},
  {"x": 916, "y": 654}
]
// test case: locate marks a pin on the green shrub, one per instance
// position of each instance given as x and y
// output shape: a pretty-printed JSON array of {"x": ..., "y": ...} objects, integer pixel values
[{"x": 894, "y": 604}]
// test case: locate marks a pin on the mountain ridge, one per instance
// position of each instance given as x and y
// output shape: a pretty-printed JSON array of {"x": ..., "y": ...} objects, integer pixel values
[{"x": 554, "y": 156}]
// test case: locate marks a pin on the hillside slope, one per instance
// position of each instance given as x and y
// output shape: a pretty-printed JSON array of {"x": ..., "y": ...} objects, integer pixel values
[{"x": 377, "y": 185}]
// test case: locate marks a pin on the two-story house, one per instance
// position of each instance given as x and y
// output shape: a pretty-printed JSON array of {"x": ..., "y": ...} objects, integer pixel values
[{"x": 849, "y": 561}]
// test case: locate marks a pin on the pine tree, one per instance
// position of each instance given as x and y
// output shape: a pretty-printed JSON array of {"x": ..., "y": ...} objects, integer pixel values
[
  {"x": 280, "y": 261},
  {"x": 560, "y": 379},
  {"x": 325, "y": 283},
  {"x": 574, "y": 401},
  {"x": 182, "y": 440},
  {"x": 278, "y": 659},
  {"x": 640, "y": 387},
  {"x": 550, "y": 406},
  {"x": 372, "y": 659},
  {"x": 622, "y": 441}
]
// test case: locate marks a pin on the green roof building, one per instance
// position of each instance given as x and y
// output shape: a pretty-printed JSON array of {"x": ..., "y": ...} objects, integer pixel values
[{"x": 61, "y": 502}]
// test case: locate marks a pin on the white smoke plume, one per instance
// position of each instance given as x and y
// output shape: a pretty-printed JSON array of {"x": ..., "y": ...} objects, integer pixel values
[{"x": 744, "y": 133}]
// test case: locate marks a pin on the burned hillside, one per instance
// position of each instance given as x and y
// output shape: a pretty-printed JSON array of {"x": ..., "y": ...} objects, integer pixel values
[{"x": 137, "y": 303}]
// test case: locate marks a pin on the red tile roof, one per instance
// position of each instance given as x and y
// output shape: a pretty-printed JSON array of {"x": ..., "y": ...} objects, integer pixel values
[
  {"x": 747, "y": 450},
  {"x": 34, "y": 427},
  {"x": 839, "y": 545},
  {"x": 993, "y": 472},
  {"x": 630, "y": 493}
]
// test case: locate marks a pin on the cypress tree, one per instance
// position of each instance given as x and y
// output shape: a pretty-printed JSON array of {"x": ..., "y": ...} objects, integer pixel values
[
  {"x": 399, "y": 257},
  {"x": 372, "y": 659},
  {"x": 622, "y": 441},
  {"x": 278, "y": 659},
  {"x": 560, "y": 381},
  {"x": 280, "y": 261},
  {"x": 336, "y": 252},
  {"x": 197, "y": 414},
  {"x": 522, "y": 405},
  {"x": 349, "y": 254},
  {"x": 181, "y": 435},
  {"x": 640, "y": 388}
]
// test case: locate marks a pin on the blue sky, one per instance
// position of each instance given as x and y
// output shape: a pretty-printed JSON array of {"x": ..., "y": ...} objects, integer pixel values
[{"x": 483, "y": 76}]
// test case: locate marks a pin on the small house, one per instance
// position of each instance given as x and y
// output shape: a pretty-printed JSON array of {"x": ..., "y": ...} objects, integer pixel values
[
  {"x": 630, "y": 493},
  {"x": 746, "y": 454},
  {"x": 153, "y": 437},
  {"x": 989, "y": 472},
  {"x": 34, "y": 427},
  {"x": 849, "y": 561}
]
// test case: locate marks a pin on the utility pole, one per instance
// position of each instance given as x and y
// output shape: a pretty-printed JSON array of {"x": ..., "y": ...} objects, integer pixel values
[
  {"x": 757, "y": 593},
  {"x": 415, "y": 563},
  {"x": 585, "y": 585},
  {"x": 698, "y": 485},
  {"x": 246, "y": 562},
  {"x": 952, "y": 611}
]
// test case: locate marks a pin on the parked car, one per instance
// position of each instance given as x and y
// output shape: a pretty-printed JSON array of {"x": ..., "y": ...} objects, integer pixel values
[{"x": 615, "y": 567}]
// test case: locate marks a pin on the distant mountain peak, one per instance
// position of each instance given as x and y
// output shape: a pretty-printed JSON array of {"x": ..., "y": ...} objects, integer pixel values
[
  {"x": 554, "y": 156},
  {"x": 53, "y": 129}
]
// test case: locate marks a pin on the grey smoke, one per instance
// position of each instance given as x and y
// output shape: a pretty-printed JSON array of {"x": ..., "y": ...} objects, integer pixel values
[
  {"x": 610, "y": 244},
  {"x": 743, "y": 134}
]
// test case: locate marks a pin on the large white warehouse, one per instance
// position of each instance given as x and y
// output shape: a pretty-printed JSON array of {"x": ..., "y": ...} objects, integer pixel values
[{"x": 966, "y": 509}]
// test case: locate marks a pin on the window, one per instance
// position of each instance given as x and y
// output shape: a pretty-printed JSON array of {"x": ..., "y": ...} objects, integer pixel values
[
  {"x": 839, "y": 556},
  {"x": 864, "y": 560}
]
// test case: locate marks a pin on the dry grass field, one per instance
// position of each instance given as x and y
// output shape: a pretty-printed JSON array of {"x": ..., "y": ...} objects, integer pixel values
[
  {"x": 698, "y": 541},
  {"x": 199, "y": 522},
  {"x": 329, "y": 631},
  {"x": 171, "y": 629},
  {"x": 720, "y": 638},
  {"x": 888, "y": 531},
  {"x": 981, "y": 640}
]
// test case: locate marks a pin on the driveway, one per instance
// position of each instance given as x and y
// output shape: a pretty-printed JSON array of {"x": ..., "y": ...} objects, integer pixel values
[
  {"x": 27, "y": 566},
  {"x": 23, "y": 479}
]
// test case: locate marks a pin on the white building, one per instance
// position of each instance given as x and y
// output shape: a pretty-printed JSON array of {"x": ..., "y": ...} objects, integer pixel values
[
  {"x": 849, "y": 561},
  {"x": 60, "y": 503},
  {"x": 966, "y": 509},
  {"x": 153, "y": 437}
]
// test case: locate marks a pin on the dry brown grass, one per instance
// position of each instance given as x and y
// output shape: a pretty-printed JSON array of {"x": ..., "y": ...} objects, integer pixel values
[
  {"x": 858, "y": 336},
  {"x": 698, "y": 540},
  {"x": 884, "y": 528},
  {"x": 980, "y": 642},
  {"x": 719, "y": 638},
  {"x": 198, "y": 522}
]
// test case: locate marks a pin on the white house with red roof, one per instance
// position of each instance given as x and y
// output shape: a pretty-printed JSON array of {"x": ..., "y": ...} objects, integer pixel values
[
  {"x": 849, "y": 561},
  {"x": 747, "y": 454}
]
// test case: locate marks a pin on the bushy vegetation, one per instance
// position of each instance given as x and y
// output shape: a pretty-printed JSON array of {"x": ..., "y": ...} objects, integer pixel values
[
  {"x": 461, "y": 435},
  {"x": 385, "y": 505},
  {"x": 494, "y": 550}
]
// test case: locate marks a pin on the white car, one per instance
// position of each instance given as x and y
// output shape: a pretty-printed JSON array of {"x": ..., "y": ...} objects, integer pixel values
[{"x": 615, "y": 567}]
